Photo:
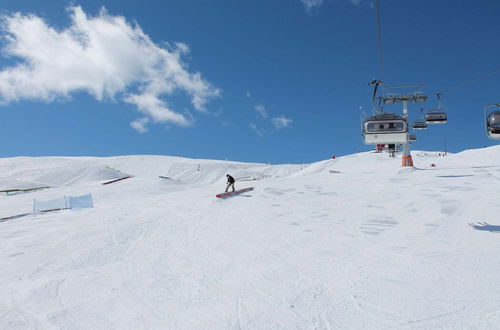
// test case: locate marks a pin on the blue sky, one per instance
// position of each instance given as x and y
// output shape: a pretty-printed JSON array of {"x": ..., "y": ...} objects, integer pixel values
[{"x": 278, "y": 81}]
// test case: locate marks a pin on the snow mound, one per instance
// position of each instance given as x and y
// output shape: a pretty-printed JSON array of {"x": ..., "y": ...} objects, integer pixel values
[
  {"x": 85, "y": 174},
  {"x": 52, "y": 172}
]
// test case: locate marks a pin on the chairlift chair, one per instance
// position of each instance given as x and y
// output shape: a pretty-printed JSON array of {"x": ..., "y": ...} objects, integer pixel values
[
  {"x": 438, "y": 115},
  {"x": 385, "y": 128},
  {"x": 419, "y": 125},
  {"x": 435, "y": 116},
  {"x": 493, "y": 123}
]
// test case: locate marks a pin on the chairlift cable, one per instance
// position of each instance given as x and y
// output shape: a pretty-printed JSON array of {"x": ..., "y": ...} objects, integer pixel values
[
  {"x": 379, "y": 41},
  {"x": 471, "y": 81}
]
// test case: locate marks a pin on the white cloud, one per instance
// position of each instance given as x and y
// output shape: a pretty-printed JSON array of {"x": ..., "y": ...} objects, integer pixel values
[
  {"x": 261, "y": 110},
  {"x": 312, "y": 4},
  {"x": 140, "y": 125},
  {"x": 278, "y": 122},
  {"x": 257, "y": 130},
  {"x": 102, "y": 55},
  {"x": 248, "y": 95},
  {"x": 281, "y": 122}
]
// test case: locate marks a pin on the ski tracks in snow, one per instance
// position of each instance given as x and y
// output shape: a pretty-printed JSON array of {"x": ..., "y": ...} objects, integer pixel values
[{"x": 382, "y": 249}]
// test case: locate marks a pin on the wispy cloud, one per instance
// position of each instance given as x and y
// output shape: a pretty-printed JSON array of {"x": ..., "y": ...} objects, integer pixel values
[
  {"x": 261, "y": 110},
  {"x": 104, "y": 56},
  {"x": 256, "y": 129},
  {"x": 140, "y": 125},
  {"x": 281, "y": 122},
  {"x": 312, "y": 4}
]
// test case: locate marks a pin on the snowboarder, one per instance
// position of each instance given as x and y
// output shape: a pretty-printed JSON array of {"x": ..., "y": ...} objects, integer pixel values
[{"x": 230, "y": 182}]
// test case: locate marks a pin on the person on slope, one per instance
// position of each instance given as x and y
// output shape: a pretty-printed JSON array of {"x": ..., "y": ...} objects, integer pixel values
[{"x": 230, "y": 182}]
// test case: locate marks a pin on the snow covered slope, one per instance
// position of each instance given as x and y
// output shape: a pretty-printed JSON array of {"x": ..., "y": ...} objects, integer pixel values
[{"x": 352, "y": 243}]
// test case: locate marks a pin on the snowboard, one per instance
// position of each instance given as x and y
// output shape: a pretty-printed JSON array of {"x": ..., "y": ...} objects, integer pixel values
[{"x": 233, "y": 193}]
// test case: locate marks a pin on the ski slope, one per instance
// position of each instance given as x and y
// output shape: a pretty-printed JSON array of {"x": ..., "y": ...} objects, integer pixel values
[{"x": 375, "y": 246}]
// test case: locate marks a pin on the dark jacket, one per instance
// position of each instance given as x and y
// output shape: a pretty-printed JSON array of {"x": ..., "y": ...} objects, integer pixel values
[{"x": 230, "y": 179}]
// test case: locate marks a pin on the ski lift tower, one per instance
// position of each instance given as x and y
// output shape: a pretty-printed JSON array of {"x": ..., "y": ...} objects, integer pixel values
[{"x": 392, "y": 98}]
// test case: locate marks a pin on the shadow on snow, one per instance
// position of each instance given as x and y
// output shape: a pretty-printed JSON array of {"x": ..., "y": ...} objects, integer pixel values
[
  {"x": 454, "y": 176},
  {"x": 485, "y": 227}
]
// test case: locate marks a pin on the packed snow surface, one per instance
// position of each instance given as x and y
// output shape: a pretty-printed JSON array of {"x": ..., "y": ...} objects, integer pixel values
[{"x": 356, "y": 242}]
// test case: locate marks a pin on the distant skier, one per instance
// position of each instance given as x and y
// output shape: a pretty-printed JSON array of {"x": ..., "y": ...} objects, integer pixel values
[{"x": 230, "y": 182}]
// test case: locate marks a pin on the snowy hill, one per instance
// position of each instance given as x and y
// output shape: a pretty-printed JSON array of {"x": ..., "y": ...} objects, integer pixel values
[{"x": 355, "y": 242}]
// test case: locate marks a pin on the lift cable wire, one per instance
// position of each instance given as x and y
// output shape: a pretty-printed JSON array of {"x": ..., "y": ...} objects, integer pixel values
[
  {"x": 471, "y": 81},
  {"x": 379, "y": 40}
]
